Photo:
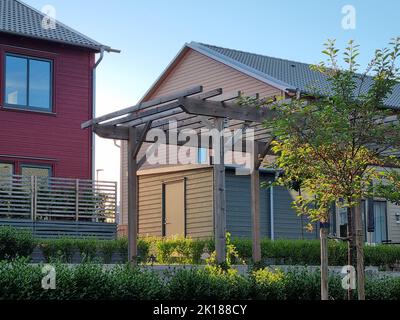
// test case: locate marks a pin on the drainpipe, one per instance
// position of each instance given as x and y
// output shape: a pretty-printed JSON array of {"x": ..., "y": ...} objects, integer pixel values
[{"x": 102, "y": 50}]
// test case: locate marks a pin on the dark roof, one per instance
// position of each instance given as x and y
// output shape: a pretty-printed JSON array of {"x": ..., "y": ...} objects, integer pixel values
[
  {"x": 286, "y": 74},
  {"x": 18, "y": 18}
]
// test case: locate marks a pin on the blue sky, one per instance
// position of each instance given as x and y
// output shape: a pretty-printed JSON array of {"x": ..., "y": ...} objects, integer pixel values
[{"x": 150, "y": 33}]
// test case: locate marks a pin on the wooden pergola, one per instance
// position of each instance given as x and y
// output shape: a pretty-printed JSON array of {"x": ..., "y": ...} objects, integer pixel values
[{"x": 190, "y": 109}]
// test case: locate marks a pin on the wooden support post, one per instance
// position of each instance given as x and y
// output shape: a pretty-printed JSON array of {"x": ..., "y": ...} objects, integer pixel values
[
  {"x": 358, "y": 225},
  {"x": 219, "y": 196},
  {"x": 133, "y": 205},
  {"x": 77, "y": 200},
  {"x": 33, "y": 198},
  {"x": 255, "y": 206}
]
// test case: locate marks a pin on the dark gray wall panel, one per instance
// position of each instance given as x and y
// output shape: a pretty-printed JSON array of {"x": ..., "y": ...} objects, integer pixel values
[
  {"x": 238, "y": 196},
  {"x": 56, "y": 229}
]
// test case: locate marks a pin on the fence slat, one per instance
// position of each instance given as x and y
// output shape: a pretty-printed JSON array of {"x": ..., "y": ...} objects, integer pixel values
[{"x": 57, "y": 199}]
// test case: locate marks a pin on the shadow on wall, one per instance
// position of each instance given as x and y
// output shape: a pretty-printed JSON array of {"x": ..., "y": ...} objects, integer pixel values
[{"x": 287, "y": 224}]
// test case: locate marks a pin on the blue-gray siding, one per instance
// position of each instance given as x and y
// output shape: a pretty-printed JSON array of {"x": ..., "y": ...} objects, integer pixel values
[
  {"x": 57, "y": 229},
  {"x": 287, "y": 224}
]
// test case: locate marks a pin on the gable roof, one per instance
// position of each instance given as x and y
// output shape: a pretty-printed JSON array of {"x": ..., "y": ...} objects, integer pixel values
[
  {"x": 284, "y": 74},
  {"x": 21, "y": 19}
]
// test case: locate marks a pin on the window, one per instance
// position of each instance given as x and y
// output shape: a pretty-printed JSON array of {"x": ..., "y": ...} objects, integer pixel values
[
  {"x": 6, "y": 169},
  {"x": 380, "y": 235},
  {"x": 6, "y": 172},
  {"x": 202, "y": 155},
  {"x": 28, "y": 83},
  {"x": 36, "y": 171}
]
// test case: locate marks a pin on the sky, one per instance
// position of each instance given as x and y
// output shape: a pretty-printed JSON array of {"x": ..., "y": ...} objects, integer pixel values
[{"x": 150, "y": 33}]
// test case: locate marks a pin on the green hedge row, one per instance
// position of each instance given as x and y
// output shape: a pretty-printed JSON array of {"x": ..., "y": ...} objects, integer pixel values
[
  {"x": 21, "y": 281},
  {"x": 15, "y": 243}
]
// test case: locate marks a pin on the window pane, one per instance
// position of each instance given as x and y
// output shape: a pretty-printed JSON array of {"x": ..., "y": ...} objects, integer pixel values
[
  {"x": 35, "y": 171},
  {"x": 6, "y": 169},
  {"x": 16, "y": 81},
  {"x": 39, "y": 84},
  {"x": 380, "y": 233},
  {"x": 202, "y": 156}
]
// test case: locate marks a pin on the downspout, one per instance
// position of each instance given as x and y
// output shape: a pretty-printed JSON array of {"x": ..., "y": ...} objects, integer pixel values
[{"x": 102, "y": 50}]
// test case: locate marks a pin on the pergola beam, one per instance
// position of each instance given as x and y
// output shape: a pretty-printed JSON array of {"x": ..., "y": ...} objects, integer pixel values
[
  {"x": 144, "y": 105},
  {"x": 111, "y": 132},
  {"x": 128, "y": 120},
  {"x": 225, "y": 110}
]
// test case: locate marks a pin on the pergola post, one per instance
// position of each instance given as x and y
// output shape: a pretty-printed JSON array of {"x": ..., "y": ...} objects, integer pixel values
[
  {"x": 255, "y": 206},
  {"x": 136, "y": 137},
  {"x": 133, "y": 205},
  {"x": 219, "y": 195}
]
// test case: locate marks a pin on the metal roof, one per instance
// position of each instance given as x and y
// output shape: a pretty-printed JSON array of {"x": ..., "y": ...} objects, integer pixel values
[
  {"x": 19, "y": 18},
  {"x": 281, "y": 73}
]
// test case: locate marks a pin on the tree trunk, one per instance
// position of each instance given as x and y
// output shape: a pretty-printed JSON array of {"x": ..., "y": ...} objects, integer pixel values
[
  {"x": 351, "y": 244},
  {"x": 324, "y": 262},
  {"x": 359, "y": 244}
]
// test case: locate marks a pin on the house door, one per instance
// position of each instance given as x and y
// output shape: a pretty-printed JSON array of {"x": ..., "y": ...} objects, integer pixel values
[
  {"x": 174, "y": 208},
  {"x": 380, "y": 233}
]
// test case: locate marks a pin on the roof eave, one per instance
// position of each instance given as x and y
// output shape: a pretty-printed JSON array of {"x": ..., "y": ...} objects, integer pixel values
[
  {"x": 94, "y": 48},
  {"x": 241, "y": 67}
]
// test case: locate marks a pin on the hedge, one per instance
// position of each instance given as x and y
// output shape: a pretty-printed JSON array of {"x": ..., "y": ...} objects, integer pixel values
[
  {"x": 15, "y": 243},
  {"x": 22, "y": 281}
]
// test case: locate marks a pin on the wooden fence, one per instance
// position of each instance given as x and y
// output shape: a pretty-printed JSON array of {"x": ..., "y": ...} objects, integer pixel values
[{"x": 57, "y": 199}]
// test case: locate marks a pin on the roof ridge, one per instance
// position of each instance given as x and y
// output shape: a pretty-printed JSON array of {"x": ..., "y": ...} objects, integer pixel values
[{"x": 254, "y": 54}]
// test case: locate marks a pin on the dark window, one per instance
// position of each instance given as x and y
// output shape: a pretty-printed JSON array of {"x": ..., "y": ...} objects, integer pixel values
[{"x": 28, "y": 83}]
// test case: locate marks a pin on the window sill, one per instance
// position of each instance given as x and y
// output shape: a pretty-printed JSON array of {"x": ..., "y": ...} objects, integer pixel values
[{"x": 16, "y": 109}]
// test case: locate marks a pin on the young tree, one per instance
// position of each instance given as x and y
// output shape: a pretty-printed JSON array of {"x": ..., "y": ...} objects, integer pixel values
[{"x": 334, "y": 140}]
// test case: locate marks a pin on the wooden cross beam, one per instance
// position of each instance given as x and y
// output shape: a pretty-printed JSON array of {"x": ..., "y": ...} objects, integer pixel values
[
  {"x": 225, "y": 110},
  {"x": 144, "y": 105}
]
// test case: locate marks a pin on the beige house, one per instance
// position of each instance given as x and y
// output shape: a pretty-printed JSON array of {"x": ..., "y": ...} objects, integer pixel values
[{"x": 186, "y": 191}]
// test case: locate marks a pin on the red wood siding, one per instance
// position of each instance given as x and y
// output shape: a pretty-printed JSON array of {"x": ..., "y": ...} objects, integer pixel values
[{"x": 55, "y": 139}]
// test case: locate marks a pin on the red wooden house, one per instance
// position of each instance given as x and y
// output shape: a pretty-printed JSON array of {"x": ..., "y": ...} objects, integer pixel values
[
  {"x": 46, "y": 92},
  {"x": 47, "y": 76}
]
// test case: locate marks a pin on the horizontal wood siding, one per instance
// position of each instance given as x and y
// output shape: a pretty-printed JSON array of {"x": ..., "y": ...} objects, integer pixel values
[
  {"x": 288, "y": 225},
  {"x": 199, "y": 218},
  {"x": 57, "y": 137},
  {"x": 393, "y": 226},
  {"x": 238, "y": 202},
  {"x": 197, "y": 69}
]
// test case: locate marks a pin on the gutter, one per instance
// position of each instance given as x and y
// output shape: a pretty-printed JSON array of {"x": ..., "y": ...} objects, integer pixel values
[{"x": 103, "y": 49}]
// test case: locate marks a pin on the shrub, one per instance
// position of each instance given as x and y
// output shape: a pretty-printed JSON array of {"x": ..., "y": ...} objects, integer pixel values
[
  {"x": 181, "y": 250},
  {"x": 211, "y": 283},
  {"x": 15, "y": 243},
  {"x": 22, "y": 281},
  {"x": 268, "y": 285},
  {"x": 58, "y": 249}
]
